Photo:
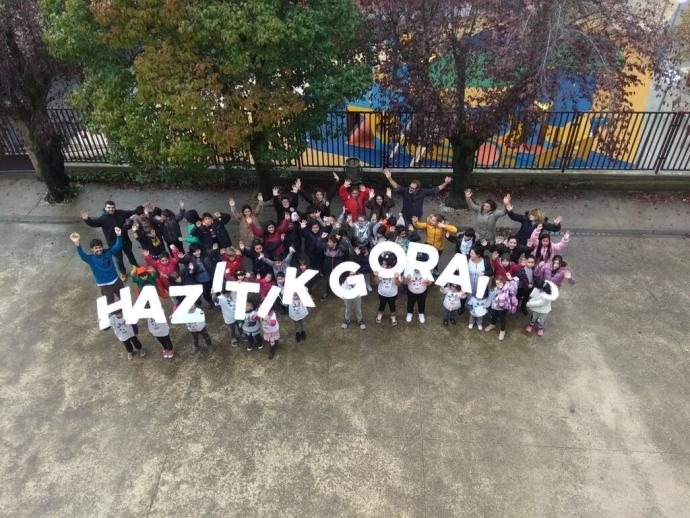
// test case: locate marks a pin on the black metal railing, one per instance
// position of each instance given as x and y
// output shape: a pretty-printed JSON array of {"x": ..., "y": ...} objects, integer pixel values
[{"x": 624, "y": 141}]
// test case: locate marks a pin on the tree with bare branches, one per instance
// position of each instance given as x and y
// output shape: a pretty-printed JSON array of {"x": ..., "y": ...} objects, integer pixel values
[
  {"x": 465, "y": 68},
  {"x": 27, "y": 73}
]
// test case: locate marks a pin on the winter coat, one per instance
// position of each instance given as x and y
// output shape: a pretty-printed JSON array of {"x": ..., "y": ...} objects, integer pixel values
[
  {"x": 546, "y": 273},
  {"x": 355, "y": 206},
  {"x": 216, "y": 233},
  {"x": 108, "y": 223},
  {"x": 540, "y": 301},
  {"x": 504, "y": 298},
  {"x": 527, "y": 226},
  {"x": 435, "y": 236},
  {"x": 546, "y": 255},
  {"x": 485, "y": 223},
  {"x": 379, "y": 210},
  {"x": 273, "y": 244},
  {"x": 246, "y": 234},
  {"x": 170, "y": 229},
  {"x": 413, "y": 203}
]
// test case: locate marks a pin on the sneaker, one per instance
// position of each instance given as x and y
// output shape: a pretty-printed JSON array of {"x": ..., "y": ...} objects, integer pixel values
[
  {"x": 171, "y": 354},
  {"x": 304, "y": 335},
  {"x": 362, "y": 325},
  {"x": 130, "y": 356},
  {"x": 452, "y": 321},
  {"x": 529, "y": 328},
  {"x": 344, "y": 324},
  {"x": 540, "y": 332},
  {"x": 379, "y": 317},
  {"x": 501, "y": 335},
  {"x": 323, "y": 297},
  {"x": 408, "y": 318},
  {"x": 370, "y": 289},
  {"x": 490, "y": 327},
  {"x": 445, "y": 323},
  {"x": 471, "y": 326},
  {"x": 165, "y": 353},
  {"x": 261, "y": 345},
  {"x": 195, "y": 349},
  {"x": 142, "y": 352},
  {"x": 298, "y": 336},
  {"x": 394, "y": 321},
  {"x": 422, "y": 318},
  {"x": 233, "y": 342},
  {"x": 480, "y": 327},
  {"x": 249, "y": 347}
]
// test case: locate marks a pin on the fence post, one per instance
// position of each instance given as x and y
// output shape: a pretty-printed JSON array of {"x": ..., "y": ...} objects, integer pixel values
[
  {"x": 676, "y": 122},
  {"x": 570, "y": 143}
]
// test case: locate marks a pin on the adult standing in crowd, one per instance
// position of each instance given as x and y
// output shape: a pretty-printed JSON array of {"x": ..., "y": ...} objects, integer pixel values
[
  {"x": 413, "y": 196},
  {"x": 111, "y": 219}
]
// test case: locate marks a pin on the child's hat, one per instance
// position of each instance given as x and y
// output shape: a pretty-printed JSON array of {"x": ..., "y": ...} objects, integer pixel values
[{"x": 141, "y": 270}]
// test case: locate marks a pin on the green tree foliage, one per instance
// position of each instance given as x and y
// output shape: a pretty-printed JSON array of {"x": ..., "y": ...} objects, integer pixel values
[{"x": 175, "y": 82}]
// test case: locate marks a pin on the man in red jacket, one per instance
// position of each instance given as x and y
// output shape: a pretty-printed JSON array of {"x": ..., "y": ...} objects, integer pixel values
[{"x": 354, "y": 199}]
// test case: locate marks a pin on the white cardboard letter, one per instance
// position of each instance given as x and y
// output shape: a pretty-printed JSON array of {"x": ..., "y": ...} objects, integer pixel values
[
  {"x": 267, "y": 305},
  {"x": 381, "y": 248},
  {"x": 104, "y": 309},
  {"x": 359, "y": 287},
  {"x": 218, "y": 277},
  {"x": 148, "y": 295},
  {"x": 457, "y": 264},
  {"x": 424, "y": 267},
  {"x": 294, "y": 284},
  {"x": 191, "y": 293},
  {"x": 243, "y": 289}
]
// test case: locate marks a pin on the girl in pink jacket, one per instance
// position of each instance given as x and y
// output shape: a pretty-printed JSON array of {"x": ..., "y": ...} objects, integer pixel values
[{"x": 542, "y": 247}]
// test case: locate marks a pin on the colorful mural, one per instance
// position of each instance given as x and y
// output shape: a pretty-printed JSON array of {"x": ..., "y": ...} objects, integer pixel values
[{"x": 580, "y": 140}]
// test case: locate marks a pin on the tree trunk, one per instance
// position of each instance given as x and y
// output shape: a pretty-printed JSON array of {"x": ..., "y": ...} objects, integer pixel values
[
  {"x": 258, "y": 147},
  {"x": 464, "y": 148},
  {"x": 44, "y": 148}
]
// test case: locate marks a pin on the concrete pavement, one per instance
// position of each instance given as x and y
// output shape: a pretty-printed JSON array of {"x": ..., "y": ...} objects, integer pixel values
[{"x": 424, "y": 421}]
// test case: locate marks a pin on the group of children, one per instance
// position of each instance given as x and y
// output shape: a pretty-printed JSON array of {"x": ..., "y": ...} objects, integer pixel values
[{"x": 525, "y": 270}]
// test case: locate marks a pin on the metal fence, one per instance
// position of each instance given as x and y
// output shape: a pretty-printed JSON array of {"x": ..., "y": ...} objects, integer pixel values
[{"x": 626, "y": 141}]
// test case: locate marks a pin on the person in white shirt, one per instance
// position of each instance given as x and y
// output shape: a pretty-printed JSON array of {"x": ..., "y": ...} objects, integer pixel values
[
  {"x": 417, "y": 286},
  {"x": 388, "y": 292},
  {"x": 251, "y": 327},
  {"x": 127, "y": 334},
  {"x": 199, "y": 329},
  {"x": 297, "y": 313},
  {"x": 452, "y": 301},
  {"x": 270, "y": 331},
  {"x": 162, "y": 333},
  {"x": 226, "y": 301},
  {"x": 352, "y": 306}
]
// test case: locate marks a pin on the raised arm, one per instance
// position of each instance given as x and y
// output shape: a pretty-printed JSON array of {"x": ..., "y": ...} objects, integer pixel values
[
  {"x": 389, "y": 177},
  {"x": 468, "y": 196}
]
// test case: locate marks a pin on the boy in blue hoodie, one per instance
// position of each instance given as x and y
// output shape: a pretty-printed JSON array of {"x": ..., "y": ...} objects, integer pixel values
[{"x": 102, "y": 266}]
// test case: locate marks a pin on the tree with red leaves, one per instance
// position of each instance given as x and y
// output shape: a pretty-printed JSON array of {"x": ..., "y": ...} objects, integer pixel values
[
  {"x": 465, "y": 68},
  {"x": 27, "y": 73}
]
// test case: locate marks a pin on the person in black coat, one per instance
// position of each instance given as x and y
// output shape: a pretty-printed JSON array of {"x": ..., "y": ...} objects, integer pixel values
[
  {"x": 112, "y": 218},
  {"x": 211, "y": 229},
  {"x": 529, "y": 221},
  {"x": 170, "y": 227},
  {"x": 413, "y": 196},
  {"x": 511, "y": 247}
]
